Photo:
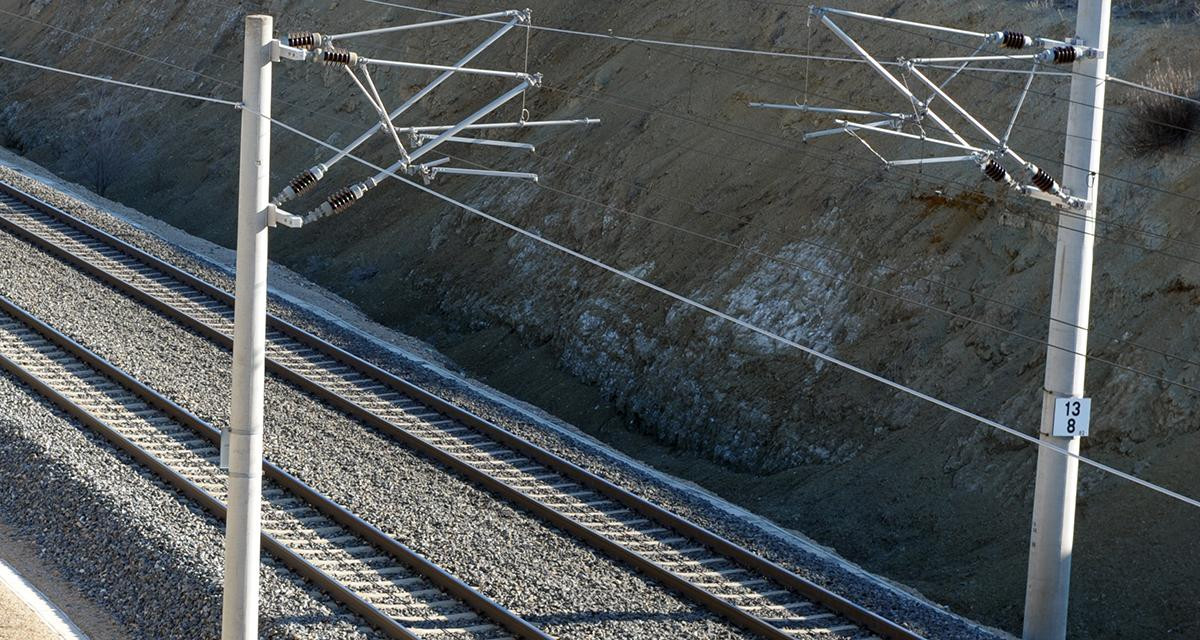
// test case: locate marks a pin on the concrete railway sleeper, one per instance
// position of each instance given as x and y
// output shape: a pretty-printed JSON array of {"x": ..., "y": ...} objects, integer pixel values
[
  {"x": 726, "y": 578},
  {"x": 389, "y": 585}
]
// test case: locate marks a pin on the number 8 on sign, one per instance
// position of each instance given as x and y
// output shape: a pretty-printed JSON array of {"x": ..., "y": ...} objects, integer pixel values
[{"x": 1072, "y": 417}]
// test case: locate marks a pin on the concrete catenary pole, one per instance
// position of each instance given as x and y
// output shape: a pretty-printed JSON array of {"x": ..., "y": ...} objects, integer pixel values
[
  {"x": 1052, "y": 536},
  {"x": 239, "y": 614}
]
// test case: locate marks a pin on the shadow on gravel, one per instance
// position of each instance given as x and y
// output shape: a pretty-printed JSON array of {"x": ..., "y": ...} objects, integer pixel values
[
  {"x": 153, "y": 565},
  {"x": 89, "y": 538},
  {"x": 583, "y": 617}
]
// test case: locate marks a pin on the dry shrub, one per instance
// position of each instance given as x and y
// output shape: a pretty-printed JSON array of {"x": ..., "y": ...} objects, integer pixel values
[{"x": 1158, "y": 122}]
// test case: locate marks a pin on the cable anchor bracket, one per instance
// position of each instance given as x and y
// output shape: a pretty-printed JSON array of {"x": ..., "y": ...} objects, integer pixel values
[
  {"x": 281, "y": 51},
  {"x": 277, "y": 216}
]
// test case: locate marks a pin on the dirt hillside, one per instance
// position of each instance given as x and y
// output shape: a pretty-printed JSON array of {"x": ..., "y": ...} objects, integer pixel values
[{"x": 933, "y": 277}]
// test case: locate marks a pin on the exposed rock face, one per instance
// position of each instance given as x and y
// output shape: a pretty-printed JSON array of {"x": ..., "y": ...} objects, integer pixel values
[{"x": 932, "y": 278}]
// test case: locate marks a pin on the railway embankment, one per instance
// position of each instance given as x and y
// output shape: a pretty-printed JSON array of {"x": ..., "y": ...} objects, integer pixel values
[{"x": 149, "y": 346}]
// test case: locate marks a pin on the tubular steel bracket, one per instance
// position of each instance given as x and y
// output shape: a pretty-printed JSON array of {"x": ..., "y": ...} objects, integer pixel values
[
  {"x": 329, "y": 50},
  {"x": 991, "y": 149}
]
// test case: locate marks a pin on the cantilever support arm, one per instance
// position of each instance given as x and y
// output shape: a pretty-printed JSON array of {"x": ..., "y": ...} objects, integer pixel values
[
  {"x": 385, "y": 120},
  {"x": 520, "y": 15},
  {"x": 872, "y": 127},
  {"x": 811, "y": 109},
  {"x": 1005, "y": 58},
  {"x": 842, "y": 129},
  {"x": 936, "y": 160},
  {"x": 887, "y": 75},
  {"x": 502, "y": 125},
  {"x": 483, "y": 172},
  {"x": 466, "y": 122},
  {"x": 317, "y": 172},
  {"x": 966, "y": 115},
  {"x": 442, "y": 67},
  {"x": 1042, "y": 42},
  {"x": 423, "y": 137},
  {"x": 372, "y": 95},
  {"x": 821, "y": 11}
]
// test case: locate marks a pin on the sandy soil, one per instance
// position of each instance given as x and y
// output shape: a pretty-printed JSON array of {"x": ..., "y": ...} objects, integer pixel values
[{"x": 19, "y": 622}]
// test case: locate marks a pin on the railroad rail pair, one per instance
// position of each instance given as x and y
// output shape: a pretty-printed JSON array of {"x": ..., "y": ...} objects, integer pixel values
[{"x": 718, "y": 574}]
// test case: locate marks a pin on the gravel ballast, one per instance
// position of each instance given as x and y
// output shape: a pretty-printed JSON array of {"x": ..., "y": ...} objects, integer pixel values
[
  {"x": 130, "y": 543},
  {"x": 555, "y": 581},
  {"x": 550, "y": 579}
]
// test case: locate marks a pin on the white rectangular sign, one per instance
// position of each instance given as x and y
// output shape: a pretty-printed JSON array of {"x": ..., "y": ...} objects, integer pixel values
[{"x": 1072, "y": 417}]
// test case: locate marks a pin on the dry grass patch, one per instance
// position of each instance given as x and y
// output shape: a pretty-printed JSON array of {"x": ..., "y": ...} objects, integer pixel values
[{"x": 1158, "y": 122}]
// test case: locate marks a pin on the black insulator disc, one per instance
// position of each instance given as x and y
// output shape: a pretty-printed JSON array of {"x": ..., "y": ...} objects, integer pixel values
[
  {"x": 994, "y": 171},
  {"x": 302, "y": 40},
  {"x": 1065, "y": 55},
  {"x": 303, "y": 181},
  {"x": 1015, "y": 40},
  {"x": 1043, "y": 181},
  {"x": 337, "y": 56},
  {"x": 341, "y": 200}
]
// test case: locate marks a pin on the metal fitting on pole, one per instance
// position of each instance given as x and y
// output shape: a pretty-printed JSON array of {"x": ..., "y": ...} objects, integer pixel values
[{"x": 278, "y": 216}]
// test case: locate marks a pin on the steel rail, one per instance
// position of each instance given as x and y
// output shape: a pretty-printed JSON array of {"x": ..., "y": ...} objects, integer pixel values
[
  {"x": 483, "y": 605},
  {"x": 201, "y": 497},
  {"x": 732, "y": 551}
]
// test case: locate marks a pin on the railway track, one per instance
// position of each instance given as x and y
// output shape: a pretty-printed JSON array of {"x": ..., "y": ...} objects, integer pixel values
[
  {"x": 392, "y": 587},
  {"x": 729, "y": 580}
]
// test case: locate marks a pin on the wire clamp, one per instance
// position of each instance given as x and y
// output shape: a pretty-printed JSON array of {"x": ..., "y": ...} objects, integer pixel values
[
  {"x": 1085, "y": 50},
  {"x": 426, "y": 171}
]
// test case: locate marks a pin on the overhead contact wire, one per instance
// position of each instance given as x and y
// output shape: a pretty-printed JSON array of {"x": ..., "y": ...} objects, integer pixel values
[
  {"x": 774, "y": 54},
  {"x": 180, "y": 94},
  {"x": 660, "y": 289},
  {"x": 747, "y": 325}
]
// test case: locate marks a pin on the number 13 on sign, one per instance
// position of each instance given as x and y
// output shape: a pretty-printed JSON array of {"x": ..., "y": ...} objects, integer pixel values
[{"x": 1072, "y": 416}]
